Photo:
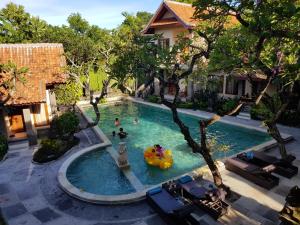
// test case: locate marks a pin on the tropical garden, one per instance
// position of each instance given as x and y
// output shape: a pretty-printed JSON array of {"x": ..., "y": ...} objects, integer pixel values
[{"x": 236, "y": 37}]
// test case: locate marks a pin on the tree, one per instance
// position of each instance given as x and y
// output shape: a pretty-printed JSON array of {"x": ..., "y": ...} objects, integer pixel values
[
  {"x": 145, "y": 56},
  {"x": 68, "y": 94},
  {"x": 17, "y": 26},
  {"x": 266, "y": 42},
  {"x": 10, "y": 74}
]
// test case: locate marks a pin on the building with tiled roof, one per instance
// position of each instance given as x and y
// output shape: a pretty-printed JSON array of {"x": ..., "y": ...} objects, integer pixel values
[
  {"x": 45, "y": 63},
  {"x": 173, "y": 18}
]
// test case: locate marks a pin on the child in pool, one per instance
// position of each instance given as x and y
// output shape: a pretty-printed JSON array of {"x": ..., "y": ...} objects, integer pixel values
[
  {"x": 159, "y": 150},
  {"x": 117, "y": 122},
  {"x": 114, "y": 133}
]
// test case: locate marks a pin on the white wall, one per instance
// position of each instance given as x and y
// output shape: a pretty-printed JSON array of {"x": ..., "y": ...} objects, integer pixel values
[{"x": 170, "y": 33}]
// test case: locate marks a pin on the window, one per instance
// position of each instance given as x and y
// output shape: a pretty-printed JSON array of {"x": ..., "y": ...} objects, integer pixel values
[
  {"x": 231, "y": 86},
  {"x": 164, "y": 43}
]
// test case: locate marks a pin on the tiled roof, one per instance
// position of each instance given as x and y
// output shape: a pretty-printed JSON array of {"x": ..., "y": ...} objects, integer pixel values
[
  {"x": 164, "y": 22},
  {"x": 183, "y": 11},
  {"x": 45, "y": 63},
  {"x": 182, "y": 14}
]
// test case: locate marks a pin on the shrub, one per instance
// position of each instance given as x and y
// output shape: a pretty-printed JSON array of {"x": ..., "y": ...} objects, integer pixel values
[
  {"x": 64, "y": 126},
  {"x": 226, "y": 105},
  {"x": 186, "y": 105},
  {"x": 153, "y": 99},
  {"x": 103, "y": 101},
  {"x": 260, "y": 112},
  {"x": 51, "y": 149},
  {"x": 3, "y": 146},
  {"x": 290, "y": 118},
  {"x": 202, "y": 105}
]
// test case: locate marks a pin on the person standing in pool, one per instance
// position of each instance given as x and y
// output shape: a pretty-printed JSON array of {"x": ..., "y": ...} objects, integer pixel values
[
  {"x": 117, "y": 122},
  {"x": 122, "y": 134}
]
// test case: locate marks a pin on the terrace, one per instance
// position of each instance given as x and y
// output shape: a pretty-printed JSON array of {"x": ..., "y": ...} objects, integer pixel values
[{"x": 30, "y": 193}]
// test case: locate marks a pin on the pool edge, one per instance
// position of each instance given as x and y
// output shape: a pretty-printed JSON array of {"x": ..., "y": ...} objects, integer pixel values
[{"x": 139, "y": 195}]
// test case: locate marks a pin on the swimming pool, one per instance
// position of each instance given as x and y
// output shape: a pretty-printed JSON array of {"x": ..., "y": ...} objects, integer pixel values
[{"x": 155, "y": 126}]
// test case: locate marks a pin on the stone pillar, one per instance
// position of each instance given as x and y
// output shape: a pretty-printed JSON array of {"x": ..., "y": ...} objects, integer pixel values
[
  {"x": 248, "y": 88},
  {"x": 53, "y": 104},
  {"x": 190, "y": 89},
  {"x": 123, "y": 158},
  {"x": 30, "y": 129},
  {"x": 156, "y": 86},
  {"x": 224, "y": 84}
]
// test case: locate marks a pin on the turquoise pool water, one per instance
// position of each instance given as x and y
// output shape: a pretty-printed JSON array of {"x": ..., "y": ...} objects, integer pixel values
[
  {"x": 97, "y": 173},
  {"x": 156, "y": 127}
]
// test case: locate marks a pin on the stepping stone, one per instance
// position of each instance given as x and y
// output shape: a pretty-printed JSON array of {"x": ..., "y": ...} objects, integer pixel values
[
  {"x": 4, "y": 188},
  {"x": 13, "y": 211},
  {"x": 45, "y": 215}
]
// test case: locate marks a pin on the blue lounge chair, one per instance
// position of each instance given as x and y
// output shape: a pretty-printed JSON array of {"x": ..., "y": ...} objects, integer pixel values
[
  {"x": 173, "y": 210},
  {"x": 207, "y": 200}
]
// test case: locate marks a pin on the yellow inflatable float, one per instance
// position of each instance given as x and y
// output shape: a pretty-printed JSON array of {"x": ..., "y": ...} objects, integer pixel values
[{"x": 157, "y": 156}]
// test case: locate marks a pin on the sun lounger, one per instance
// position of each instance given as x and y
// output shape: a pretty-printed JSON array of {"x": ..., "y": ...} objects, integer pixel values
[
  {"x": 174, "y": 210},
  {"x": 282, "y": 167},
  {"x": 258, "y": 175},
  {"x": 207, "y": 200}
]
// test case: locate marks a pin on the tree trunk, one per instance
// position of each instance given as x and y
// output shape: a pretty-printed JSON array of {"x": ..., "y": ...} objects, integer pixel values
[
  {"x": 208, "y": 158},
  {"x": 274, "y": 132}
]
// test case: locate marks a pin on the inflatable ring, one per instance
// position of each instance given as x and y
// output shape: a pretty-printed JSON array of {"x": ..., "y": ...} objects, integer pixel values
[{"x": 163, "y": 160}]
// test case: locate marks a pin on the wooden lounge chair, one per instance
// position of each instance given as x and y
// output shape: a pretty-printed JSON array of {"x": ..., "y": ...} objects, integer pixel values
[
  {"x": 282, "y": 167},
  {"x": 207, "y": 200},
  {"x": 173, "y": 210},
  {"x": 258, "y": 175}
]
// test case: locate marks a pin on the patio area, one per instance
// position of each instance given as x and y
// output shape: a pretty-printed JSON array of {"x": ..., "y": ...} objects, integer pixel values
[{"x": 29, "y": 193}]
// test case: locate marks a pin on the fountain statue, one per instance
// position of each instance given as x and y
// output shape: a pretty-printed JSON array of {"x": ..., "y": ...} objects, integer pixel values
[{"x": 123, "y": 157}]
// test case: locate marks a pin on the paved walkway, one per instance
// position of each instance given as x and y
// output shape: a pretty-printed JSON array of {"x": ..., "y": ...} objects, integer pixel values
[{"x": 29, "y": 193}]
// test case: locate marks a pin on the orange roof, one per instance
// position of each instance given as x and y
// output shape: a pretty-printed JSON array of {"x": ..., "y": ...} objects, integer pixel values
[
  {"x": 164, "y": 22},
  {"x": 182, "y": 13},
  {"x": 45, "y": 63}
]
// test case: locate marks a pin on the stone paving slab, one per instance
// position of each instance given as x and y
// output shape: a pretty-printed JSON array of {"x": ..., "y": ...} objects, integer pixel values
[{"x": 45, "y": 215}]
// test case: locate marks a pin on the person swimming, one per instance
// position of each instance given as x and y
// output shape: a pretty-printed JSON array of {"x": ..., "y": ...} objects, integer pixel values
[
  {"x": 122, "y": 133},
  {"x": 135, "y": 121},
  {"x": 117, "y": 122}
]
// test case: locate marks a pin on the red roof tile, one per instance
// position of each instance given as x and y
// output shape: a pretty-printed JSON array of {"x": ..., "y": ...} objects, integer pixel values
[
  {"x": 182, "y": 13},
  {"x": 45, "y": 63}
]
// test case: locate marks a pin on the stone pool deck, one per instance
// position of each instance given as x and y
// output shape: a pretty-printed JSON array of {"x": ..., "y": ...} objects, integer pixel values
[{"x": 29, "y": 193}]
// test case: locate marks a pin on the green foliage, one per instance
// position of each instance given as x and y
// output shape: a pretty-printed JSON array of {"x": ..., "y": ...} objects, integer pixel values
[
  {"x": 186, "y": 105},
  {"x": 153, "y": 99},
  {"x": 290, "y": 118},
  {"x": 64, "y": 126},
  {"x": 51, "y": 149},
  {"x": 17, "y": 26},
  {"x": 9, "y": 75},
  {"x": 96, "y": 79},
  {"x": 3, "y": 146},
  {"x": 226, "y": 105},
  {"x": 68, "y": 94},
  {"x": 260, "y": 112},
  {"x": 77, "y": 23},
  {"x": 51, "y": 145}
]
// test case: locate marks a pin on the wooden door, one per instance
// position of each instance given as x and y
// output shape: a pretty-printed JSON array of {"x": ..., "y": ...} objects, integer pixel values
[{"x": 16, "y": 123}]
